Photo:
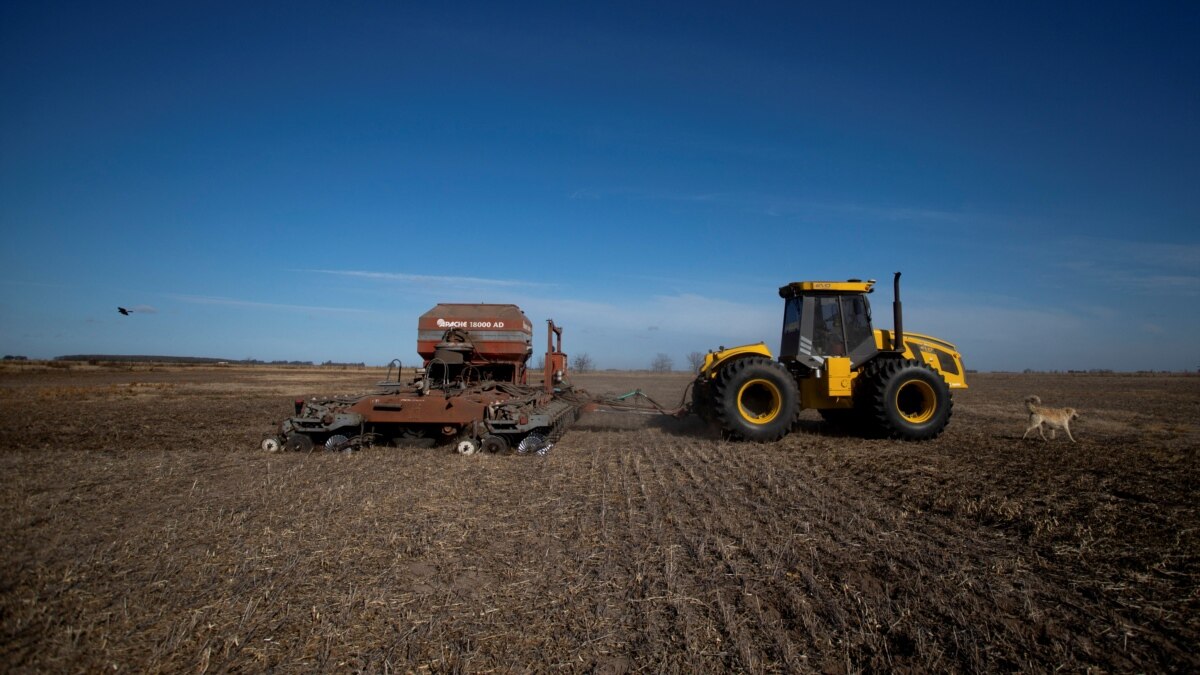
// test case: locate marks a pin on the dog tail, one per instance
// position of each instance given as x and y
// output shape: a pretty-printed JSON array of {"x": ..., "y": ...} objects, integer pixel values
[{"x": 1030, "y": 402}]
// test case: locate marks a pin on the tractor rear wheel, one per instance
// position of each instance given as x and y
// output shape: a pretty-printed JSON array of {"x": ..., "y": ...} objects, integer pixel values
[
  {"x": 755, "y": 399},
  {"x": 906, "y": 399}
]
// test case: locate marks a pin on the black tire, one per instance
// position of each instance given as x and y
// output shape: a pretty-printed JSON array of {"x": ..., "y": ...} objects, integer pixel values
[
  {"x": 702, "y": 402},
  {"x": 298, "y": 443},
  {"x": 905, "y": 399},
  {"x": 494, "y": 444},
  {"x": 755, "y": 399}
]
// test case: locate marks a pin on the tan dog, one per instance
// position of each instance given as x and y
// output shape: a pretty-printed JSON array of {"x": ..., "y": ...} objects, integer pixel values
[{"x": 1052, "y": 418}]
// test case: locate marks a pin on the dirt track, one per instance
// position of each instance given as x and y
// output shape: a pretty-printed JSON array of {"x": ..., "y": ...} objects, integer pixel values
[{"x": 143, "y": 530}]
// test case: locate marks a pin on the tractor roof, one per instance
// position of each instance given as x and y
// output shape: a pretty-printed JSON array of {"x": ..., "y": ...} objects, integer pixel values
[{"x": 851, "y": 286}]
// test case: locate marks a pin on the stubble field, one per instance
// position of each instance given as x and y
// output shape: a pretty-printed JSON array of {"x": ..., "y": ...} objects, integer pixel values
[{"x": 142, "y": 530}]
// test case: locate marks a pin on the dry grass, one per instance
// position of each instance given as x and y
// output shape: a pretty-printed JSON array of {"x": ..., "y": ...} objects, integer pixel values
[{"x": 143, "y": 531}]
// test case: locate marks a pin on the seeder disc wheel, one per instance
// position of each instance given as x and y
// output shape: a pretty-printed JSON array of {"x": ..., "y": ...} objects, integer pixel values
[
  {"x": 272, "y": 444},
  {"x": 532, "y": 443},
  {"x": 494, "y": 444},
  {"x": 467, "y": 446},
  {"x": 298, "y": 443}
]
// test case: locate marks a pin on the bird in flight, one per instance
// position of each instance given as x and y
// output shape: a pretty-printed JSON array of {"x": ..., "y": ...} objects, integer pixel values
[{"x": 123, "y": 311}]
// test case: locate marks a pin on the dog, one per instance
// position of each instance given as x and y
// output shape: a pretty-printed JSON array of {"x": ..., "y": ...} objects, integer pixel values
[{"x": 1053, "y": 418}]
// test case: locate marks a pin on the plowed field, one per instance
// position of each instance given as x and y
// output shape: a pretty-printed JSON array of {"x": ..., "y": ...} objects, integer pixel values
[{"x": 142, "y": 530}]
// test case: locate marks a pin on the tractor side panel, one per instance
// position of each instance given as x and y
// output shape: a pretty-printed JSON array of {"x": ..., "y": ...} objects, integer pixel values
[{"x": 938, "y": 354}]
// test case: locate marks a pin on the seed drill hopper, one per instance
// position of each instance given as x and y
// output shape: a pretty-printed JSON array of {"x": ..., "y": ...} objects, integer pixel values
[{"x": 472, "y": 391}]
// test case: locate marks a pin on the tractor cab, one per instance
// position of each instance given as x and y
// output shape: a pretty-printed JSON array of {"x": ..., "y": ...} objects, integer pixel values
[{"x": 824, "y": 319}]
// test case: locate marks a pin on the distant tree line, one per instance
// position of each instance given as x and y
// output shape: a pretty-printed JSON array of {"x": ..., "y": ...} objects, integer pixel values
[
  {"x": 1093, "y": 371},
  {"x": 582, "y": 363},
  {"x": 662, "y": 363},
  {"x": 1096, "y": 371},
  {"x": 138, "y": 358},
  {"x": 142, "y": 358}
]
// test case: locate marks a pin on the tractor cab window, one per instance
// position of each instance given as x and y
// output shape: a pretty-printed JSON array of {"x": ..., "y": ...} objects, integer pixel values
[
  {"x": 842, "y": 324},
  {"x": 791, "y": 320},
  {"x": 828, "y": 338},
  {"x": 857, "y": 314}
]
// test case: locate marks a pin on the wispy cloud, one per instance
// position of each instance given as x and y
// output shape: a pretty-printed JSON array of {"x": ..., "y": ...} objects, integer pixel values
[
  {"x": 1180, "y": 283},
  {"x": 1148, "y": 253},
  {"x": 642, "y": 193},
  {"x": 429, "y": 280},
  {"x": 782, "y": 206},
  {"x": 788, "y": 207},
  {"x": 900, "y": 213},
  {"x": 143, "y": 309},
  {"x": 977, "y": 321},
  {"x": 251, "y": 304},
  {"x": 1139, "y": 266},
  {"x": 680, "y": 323},
  {"x": 40, "y": 284}
]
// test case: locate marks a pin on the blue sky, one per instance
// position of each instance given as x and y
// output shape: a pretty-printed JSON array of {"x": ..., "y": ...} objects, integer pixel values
[{"x": 302, "y": 180}]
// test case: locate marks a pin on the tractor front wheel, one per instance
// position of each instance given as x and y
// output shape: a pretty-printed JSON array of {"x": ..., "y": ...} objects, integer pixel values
[
  {"x": 906, "y": 399},
  {"x": 755, "y": 399}
]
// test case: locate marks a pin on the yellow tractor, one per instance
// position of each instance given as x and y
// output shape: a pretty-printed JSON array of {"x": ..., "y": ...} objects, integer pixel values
[{"x": 870, "y": 380}]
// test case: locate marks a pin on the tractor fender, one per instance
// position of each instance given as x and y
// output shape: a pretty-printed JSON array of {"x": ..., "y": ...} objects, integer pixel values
[{"x": 715, "y": 360}]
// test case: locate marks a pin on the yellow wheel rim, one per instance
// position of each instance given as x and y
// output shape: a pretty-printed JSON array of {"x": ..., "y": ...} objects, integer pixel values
[
  {"x": 916, "y": 401},
  {"x": 759, "y": 401}
]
